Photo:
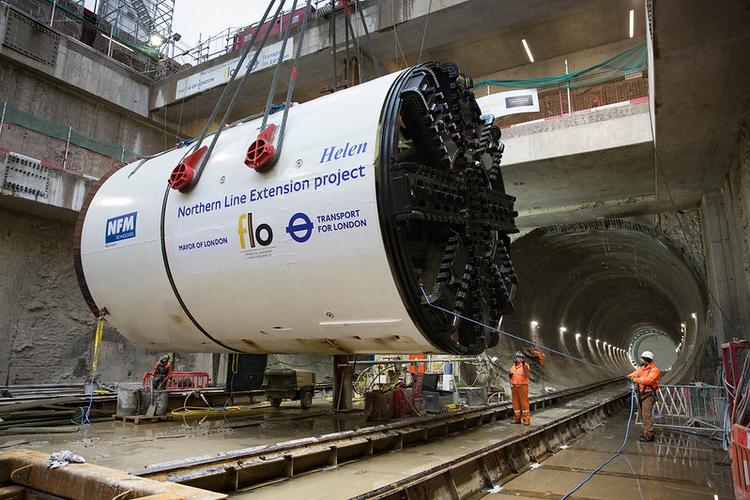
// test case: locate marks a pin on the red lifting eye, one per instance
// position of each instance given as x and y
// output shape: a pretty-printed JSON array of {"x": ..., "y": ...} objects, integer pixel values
[
  {"x": 183, "y": 174},
  {"x": 261, "y": 151}
]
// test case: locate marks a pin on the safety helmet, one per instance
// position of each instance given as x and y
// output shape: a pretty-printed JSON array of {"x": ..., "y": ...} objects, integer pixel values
[
  {"x": 165, "y": 358},
  {"x": 519, "y": 354},
  {"x": 648, "y": 355}
]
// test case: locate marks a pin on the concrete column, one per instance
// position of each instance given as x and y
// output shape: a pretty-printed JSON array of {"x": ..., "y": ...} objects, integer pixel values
[
  {"x": 725, "y": 300},
  {"x": 342, "y": 383}
]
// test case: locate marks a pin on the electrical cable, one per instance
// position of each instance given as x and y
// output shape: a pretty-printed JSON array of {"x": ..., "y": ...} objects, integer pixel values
[
  {"x": 424, "y": 32},
  {"x": 615, "y": 455},
  {"x": 374, "y": 57},
  {"x": 233, "y": 100},
  {"x": 516, "y": 337},
  {"x": 277, "y": 70},
  {"x": 293, "y": 78}
]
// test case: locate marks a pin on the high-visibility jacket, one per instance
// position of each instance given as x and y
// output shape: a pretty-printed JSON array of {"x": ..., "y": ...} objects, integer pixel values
[
  {"x": 647, "y": 377},
  {"x": 519, "y": 374},
  {"x": 162, "y": 370}
]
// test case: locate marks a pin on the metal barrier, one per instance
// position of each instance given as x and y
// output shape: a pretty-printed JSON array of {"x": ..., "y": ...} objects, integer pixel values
[
  {"x": 179, "y": 381},
  {"x": 697, "y": 408},
  {"x": 740, "y": 462}
]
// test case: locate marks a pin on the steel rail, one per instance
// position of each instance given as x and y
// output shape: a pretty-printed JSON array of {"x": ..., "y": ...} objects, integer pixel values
[
  {"x": 496, "y": 464},
  {"x": 258, "y": 465}
]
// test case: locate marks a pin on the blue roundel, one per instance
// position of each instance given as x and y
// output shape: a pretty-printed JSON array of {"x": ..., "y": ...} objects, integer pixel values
[{"x": 300, "y": 227}]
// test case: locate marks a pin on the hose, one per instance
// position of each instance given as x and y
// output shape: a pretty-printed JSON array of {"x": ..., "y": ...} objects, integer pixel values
[
  {"x": 616, "y": 454},
  {"x": 198, "y": 411}
]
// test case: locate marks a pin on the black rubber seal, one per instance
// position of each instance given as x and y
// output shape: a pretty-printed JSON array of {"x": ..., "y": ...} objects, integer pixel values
[{"x": 171, "y": 278}]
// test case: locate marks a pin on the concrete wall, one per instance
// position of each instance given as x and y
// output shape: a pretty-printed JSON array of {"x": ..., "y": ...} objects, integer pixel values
[
  {"x": 726, "y": 216},
  {"x": 83, "y": 67},
  {"x": 51, "y": 101},
  {"x": 46, "y": 330}
]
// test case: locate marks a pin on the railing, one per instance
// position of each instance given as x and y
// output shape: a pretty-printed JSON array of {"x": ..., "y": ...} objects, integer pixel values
[
  {"x": 553, "y": 102},
  {"x": 695, "y": 408},
  {"x": 233, "y": 38},
  {"x": 740, "y": 454},
  {"x": 180, "y": 381}
]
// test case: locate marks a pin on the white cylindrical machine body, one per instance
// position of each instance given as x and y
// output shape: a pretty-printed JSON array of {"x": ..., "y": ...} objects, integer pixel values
[{"x": 289, "y": 260}]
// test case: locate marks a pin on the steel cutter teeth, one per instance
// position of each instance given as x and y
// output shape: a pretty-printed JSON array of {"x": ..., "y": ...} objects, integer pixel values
[{"x": 452, "y": 214}]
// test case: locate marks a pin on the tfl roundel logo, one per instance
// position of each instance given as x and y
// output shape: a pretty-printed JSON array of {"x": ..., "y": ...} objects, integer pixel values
[{"x": 300, "y": 227}]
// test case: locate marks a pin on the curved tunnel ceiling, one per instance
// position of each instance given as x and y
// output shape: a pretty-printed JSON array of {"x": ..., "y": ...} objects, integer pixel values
[{"x": 608, "y": 280}]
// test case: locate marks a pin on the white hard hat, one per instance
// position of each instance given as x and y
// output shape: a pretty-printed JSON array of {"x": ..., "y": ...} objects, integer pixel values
[{"x": 648, "y": 355}]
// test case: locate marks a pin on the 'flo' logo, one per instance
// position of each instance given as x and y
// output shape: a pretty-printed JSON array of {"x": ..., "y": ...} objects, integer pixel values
[
  {"x": 261, "y": 235},
  {"x": 120, "y": 228}
]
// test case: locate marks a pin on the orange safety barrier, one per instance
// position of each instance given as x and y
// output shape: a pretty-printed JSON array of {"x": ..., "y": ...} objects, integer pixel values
[
  {"x": 740, "y": 462},
  {"x": 179, "y": 381},
  {"x": 417, "y": 367}
]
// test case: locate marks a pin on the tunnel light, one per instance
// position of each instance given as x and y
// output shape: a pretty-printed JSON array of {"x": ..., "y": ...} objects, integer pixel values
[
  {"x": 588, "y": 338},
  {"x": 534, "y": 324},
  {"x": 578, "y": 336},
  {"x": 528, "y": 51},
  {"x": 597, "y": 341},
  {"x": 156, "y": 40},
  {"x": 631, "y": 23},
  {"x": 563, "y": 329},
  {"x": 694, "y": 316}
]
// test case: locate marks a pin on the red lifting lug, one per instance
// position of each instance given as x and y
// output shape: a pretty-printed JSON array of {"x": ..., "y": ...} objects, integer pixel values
[
  {"x": 261, "y": 152},
  {"x": 183, "y": 174}
]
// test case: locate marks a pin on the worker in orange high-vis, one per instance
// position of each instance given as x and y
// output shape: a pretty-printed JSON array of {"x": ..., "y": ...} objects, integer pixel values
[
  {"x": 646, "y": 377},
  {"x": 519, "y": 385}
]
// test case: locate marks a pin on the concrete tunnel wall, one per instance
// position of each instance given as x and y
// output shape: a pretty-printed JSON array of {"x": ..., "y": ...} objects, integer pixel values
[{"x": 610, "y": 280}]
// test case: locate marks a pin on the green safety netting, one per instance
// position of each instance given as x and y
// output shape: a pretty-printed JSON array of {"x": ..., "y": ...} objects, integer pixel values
[
  {"x": 631, "y": 60},
  {"x": 61, "y": 132}
]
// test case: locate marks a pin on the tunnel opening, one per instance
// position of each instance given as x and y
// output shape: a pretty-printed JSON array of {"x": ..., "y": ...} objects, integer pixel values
[
  {"x": 604, "y": 291},
  {"x": 664, "y": 348}
]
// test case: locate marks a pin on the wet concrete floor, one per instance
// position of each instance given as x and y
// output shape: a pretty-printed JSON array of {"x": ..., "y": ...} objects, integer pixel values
[
  {"x": 361, "y": 477},
  {"x": 675, "y": 465},
  {"x": 129, "y": 447}
]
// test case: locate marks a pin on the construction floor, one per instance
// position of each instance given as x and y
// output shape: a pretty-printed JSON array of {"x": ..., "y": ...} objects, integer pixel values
[
  {"x": 129, "y": 447},
  {"x": 361, "y": 477},
  {"x": 675, "y": 465}
]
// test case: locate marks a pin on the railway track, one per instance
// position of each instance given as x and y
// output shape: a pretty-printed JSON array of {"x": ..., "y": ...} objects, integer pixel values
[{"x": 257, "y": 466}]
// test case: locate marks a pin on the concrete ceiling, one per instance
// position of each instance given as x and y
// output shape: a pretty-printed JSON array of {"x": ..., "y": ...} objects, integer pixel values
[
  {"x": 702, "y": 87},
  {"x": 701, "y": 69},
  {"x": 481, "y": 37}
]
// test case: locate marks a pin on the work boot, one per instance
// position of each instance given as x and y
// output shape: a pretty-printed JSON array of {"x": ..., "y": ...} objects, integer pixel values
[
  {"x": 646, "y": 438},
  {"x": 527, "y": 422},
  {"x": 516, "y": 422}
]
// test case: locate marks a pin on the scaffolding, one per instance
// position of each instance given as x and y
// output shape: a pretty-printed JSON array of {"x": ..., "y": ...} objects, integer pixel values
[{"x": 137, "y": 20}]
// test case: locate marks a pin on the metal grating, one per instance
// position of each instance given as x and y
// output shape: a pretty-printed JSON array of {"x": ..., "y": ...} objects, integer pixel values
[
  {"x": 31, "y": 38},
  {"x": 26, "y": 176}
]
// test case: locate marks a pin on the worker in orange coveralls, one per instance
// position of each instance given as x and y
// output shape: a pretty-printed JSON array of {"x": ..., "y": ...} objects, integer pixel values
[
  {"x": 519, "y": 384},
  {"x": 162, "y": 371},
  {"x": 646, "y": 377}
]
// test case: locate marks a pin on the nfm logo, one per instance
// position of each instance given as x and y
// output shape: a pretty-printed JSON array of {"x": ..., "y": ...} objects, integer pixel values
[
  {"x": 120, "y": 228},
  {"x": 248, "y": 233}
]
